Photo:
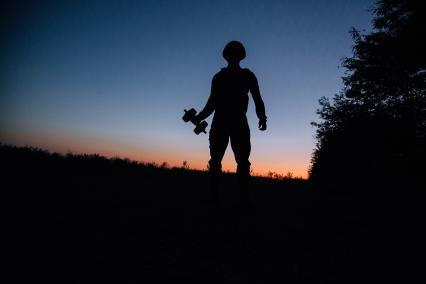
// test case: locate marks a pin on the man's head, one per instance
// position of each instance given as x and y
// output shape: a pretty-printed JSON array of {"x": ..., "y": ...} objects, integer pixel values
[{"x": 234, "y": 51}]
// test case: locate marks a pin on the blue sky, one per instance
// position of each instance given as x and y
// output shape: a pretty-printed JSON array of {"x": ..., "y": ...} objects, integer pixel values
[{"x": 113, "y": 77}]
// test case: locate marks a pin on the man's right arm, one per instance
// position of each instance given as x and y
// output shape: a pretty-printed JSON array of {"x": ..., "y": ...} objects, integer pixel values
[{"x": 211, "y": 103}]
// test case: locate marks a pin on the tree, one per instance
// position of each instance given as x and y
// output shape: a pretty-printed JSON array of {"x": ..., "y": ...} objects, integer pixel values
[{"x": 375, "y": 128}]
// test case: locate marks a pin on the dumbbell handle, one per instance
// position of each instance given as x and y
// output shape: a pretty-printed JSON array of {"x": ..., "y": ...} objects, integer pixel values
[{"x": 200, "y": 126}]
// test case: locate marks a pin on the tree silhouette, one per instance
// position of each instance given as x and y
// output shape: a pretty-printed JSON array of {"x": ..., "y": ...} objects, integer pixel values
[{"x": 375, "y": 128}]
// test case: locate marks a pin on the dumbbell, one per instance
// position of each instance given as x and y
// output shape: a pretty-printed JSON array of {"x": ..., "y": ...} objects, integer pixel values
[{"x": 189, "y": 116}]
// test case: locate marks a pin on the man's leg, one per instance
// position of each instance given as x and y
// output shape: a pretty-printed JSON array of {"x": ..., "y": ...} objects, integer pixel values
[
  {"x": 240, "y": 143},
  {"x": 218, "y": 139}
]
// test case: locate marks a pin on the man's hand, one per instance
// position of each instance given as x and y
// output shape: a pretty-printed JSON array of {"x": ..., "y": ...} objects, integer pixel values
[
  {"x": 262, "y": 124},
  {"x": 196, "y": 120}
]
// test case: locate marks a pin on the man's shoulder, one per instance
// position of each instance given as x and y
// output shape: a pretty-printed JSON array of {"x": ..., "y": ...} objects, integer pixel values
[
  {"x": 247, "y": 70},
  {"x": 250, "y": 74},
  {"x": 246, "y": 73},
  {"x": 224, "y": 71},
  {"x": 221, "y": 72}
]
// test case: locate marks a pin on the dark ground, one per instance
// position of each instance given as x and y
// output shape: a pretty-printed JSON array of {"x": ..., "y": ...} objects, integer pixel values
[{"x": 91, "y": 220}]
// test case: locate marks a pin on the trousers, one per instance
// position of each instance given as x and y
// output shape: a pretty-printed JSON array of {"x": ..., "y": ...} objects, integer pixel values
[{"x": 237, "y": 131}]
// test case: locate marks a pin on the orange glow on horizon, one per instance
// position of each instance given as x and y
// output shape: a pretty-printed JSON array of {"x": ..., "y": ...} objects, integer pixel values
[{"x": 76, "y": 144}]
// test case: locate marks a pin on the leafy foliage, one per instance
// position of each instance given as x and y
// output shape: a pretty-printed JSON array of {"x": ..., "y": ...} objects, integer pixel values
[{"x": 375, "y": 128}]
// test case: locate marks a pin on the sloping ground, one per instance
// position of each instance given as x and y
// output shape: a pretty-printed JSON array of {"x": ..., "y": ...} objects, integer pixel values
[{"x": 88, "y": 219}]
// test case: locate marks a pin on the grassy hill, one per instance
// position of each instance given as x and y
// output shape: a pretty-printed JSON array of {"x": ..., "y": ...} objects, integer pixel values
[{"x": 88, "y": 219}]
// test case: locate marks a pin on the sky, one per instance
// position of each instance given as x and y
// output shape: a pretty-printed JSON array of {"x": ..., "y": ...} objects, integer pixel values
[{"x": 113, "y": 77}]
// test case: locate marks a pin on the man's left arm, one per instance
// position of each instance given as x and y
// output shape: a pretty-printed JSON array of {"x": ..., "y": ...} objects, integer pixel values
[{"x": 258, "y": 102}]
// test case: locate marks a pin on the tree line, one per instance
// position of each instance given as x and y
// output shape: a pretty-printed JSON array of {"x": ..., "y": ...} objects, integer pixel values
[{"x": 373, "y": 132}]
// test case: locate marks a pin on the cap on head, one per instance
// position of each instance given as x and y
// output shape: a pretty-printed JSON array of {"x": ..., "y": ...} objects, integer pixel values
[{"x": 234, "y": 51}]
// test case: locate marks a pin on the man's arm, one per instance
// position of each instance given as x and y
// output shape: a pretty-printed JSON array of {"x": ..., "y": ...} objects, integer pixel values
[
  {"x": 210, "y": 105},
  {"x": 258, "y": 102}
]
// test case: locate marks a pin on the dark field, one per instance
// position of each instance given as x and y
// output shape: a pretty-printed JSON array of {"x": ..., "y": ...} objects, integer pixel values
[{"x": 86, "y": 219}]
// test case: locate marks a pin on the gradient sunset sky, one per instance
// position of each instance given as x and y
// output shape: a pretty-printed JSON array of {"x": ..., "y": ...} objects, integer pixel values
[{"x": 113, "y": 77}]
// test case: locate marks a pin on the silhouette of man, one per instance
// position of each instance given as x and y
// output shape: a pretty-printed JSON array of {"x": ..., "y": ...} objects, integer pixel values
[{"x": 229, "y": 100}]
